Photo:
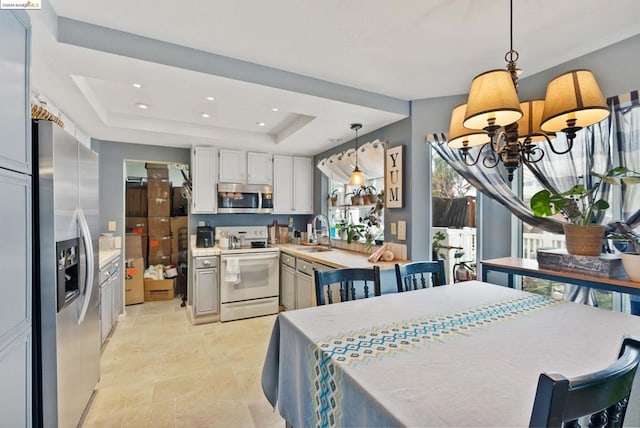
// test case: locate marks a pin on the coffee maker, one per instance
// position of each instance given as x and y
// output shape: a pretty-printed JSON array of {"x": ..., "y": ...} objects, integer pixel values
[{"x": 204, "y": 236}]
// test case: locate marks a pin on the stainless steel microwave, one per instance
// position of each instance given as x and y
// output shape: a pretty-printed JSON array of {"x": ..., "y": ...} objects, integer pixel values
[{"x": 236, "y": 198}]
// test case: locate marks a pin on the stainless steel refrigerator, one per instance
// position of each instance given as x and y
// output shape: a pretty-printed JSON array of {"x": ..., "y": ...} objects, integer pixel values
[{"x": 67, "y": 296}]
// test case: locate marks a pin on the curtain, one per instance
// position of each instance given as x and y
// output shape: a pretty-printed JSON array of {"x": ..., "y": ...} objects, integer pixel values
[
  {"x": 338, "y": 167},
  {"x": 627, "y": 137},
  {"x": 491, "y": 182},
  {"x": 592, "y": 151}
]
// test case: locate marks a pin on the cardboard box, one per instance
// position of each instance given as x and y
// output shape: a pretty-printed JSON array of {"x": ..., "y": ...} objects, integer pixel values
[
  {"x": 178, "y": 223},
  {"x": 136, "y": 200},
  {"x": 145, "y": 248},
  {"x": 133, "y": 246},
  {"x": 160, "y": 289},
  {"x": 158, "y": 207},
  {"x": 175, "y": 259},
  {"x": 179, "y": 204},
  {"x": 159, "y": 260},
  {"x": 157, "y": 170},
  {"x": 159, "y": 226},
  {"x": 133, "y": 281},
  {"x": 136, "y": 225},
  {"x": 158, "y": 188},
  {"x": 159, "y": 246}
]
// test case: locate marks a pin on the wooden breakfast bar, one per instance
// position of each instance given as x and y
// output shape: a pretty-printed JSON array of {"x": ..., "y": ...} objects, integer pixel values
[{"x": 528, "y": 267}]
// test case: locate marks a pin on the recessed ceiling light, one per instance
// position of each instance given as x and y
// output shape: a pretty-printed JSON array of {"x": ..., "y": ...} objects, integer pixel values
[
  {"x": 260, "y": 123},
  {"x": 205, "y": 115},
  {"x": 142, "y": 106},
  {"x": 275, "y": 109},
  {"x": 209, "y": 98},
  {"x": 136, "y": 85}
]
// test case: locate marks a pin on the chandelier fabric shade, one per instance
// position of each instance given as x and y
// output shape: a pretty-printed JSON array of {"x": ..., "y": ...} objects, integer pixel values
[
  {"x": 529, "y": 125},
  {"x": 492, "y": 101},
  {"x": 459, "y": 136},
  {"x": 573, "y": 96}
]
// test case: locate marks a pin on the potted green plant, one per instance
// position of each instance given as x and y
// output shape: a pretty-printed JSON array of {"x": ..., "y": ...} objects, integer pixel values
[
  {"x": 369, "y": 194},
  {"x": 356, "y": 196},
  {"x": 436, "y": 248},
  {"x": 333, "y": 198},
  {"x": 578, "y": 206},
  {"x": 619, "y": 231},
  {"x": 341, "y": 229},
  {"x": 354, "y": 232}
]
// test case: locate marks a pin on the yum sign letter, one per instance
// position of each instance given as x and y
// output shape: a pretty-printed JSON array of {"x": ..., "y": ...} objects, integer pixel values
[{"x": 394, "y": 161}]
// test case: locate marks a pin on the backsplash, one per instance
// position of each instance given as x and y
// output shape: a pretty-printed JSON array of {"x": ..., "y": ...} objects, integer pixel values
[
  {"x": 398, "y": 250},
  {"x": 299, "y": 221}
]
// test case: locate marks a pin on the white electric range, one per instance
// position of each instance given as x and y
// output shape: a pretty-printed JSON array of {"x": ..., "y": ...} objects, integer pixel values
[{"x": 249, "y": 274}]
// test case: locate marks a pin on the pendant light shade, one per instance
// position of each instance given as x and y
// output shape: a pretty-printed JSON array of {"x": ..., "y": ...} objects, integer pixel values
[
  {"x": 459, "y": 136},
  {"x": 573, "y": 100},
  {"x": 357, "y": 177},
  {"x": 493, "y": 101},
  {"x": 529, "y": 125}
]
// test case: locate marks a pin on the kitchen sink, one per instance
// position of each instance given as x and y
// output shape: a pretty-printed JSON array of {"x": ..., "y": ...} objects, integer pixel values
[{"x": 315, "y": 249}]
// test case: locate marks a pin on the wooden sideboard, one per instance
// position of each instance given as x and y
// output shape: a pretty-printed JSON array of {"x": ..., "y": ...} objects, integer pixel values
[{"x": 528, "y": 267}]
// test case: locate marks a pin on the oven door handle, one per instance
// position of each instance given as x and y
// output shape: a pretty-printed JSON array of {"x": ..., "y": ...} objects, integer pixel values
[{"x": 244, "y": 257}]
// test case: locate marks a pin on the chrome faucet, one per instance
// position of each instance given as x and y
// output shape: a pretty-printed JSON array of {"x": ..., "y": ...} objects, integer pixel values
[{"x": 324, "y": 238}]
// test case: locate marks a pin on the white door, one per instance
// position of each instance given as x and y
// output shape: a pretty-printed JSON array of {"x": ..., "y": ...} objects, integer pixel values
[
  {"x": 282, "y": 184},
  {"x": 233, "y": 166},
  {"x": 258, "y": 277},
  {"x": 259, "y": 169},
  {"x": 203, "y": 185}
]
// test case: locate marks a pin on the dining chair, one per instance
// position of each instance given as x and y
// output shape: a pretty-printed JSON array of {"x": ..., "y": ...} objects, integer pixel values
[
  {"x": 411, "y": 276},
  {"x": 352, "y": 284},
  {"x": 601, "y": 395}
]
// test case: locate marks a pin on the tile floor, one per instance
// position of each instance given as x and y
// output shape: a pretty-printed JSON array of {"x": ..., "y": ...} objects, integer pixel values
[{"x": 158, "y": 370}]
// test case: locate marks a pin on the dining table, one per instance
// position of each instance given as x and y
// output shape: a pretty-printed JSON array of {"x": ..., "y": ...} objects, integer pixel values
[{"x": 465, "y": 354}]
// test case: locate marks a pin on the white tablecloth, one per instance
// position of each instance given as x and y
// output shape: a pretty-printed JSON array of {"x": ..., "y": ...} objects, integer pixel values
[{"x": 467, "y": 354}]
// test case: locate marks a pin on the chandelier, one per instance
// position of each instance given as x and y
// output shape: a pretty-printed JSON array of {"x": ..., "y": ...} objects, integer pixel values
[{"x": 509, "y": 131}]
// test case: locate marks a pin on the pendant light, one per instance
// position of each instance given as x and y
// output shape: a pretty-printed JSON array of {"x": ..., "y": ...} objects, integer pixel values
[{"x": 357, "y": 177}]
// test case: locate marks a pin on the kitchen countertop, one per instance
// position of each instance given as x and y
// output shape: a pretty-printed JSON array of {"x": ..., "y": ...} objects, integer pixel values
[
  {"x": 107, "y": 256},
  {"x": 336, "y": 257}
]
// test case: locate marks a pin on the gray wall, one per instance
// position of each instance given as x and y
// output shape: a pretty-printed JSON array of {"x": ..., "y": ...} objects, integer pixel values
[{"x": 112, "y": 174}]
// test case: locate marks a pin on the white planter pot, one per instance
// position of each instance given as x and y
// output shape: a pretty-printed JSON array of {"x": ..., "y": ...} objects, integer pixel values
[{"x": 631, "y": 265}]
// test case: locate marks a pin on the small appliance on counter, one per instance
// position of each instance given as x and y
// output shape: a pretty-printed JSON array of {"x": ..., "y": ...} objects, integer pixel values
[{"x": 205, "y": 237}]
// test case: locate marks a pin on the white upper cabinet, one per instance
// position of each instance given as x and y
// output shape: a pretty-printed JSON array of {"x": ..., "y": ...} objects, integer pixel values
[
  {"x": 282, "y": 184},
  {"x": 233, "y": 166},
  {"x": 292, "y": 185},
  {"x": 259, "y": 168},
  {"x": 241, "y": 167},
  {"x": 15, "y": 108},
  {"x": 204, "y": 164},
  {"x": 303, "y": 185}
]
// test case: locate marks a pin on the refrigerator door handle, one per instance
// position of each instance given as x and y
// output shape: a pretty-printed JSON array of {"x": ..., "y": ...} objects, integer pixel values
[{"x": 88, "y": 247}]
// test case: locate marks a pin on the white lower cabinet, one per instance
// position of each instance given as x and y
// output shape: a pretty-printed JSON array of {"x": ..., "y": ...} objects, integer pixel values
[
  {"x": 206, "y": 297},
  {"x": 106, "y": 309},
  {"x": 304, "y": 290},
  {"x": 15, "y": 388},
  {"x": 288, "y": 287}
]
